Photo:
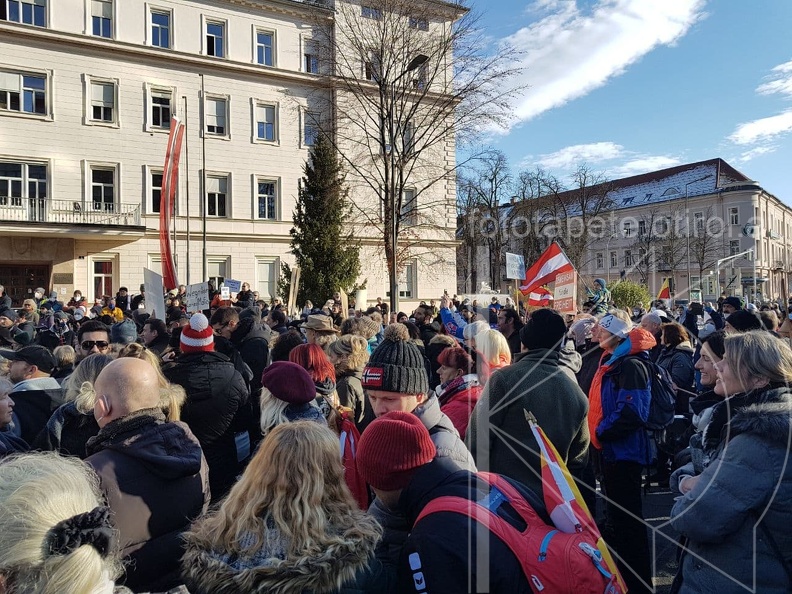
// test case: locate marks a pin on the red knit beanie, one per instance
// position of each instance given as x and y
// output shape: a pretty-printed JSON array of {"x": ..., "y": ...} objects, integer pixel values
[
  {"x": 391, "y": 449},
  {"x": 197, "y": 336}
]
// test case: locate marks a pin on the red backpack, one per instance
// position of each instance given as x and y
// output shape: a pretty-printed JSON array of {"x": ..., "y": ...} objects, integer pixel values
[{"x": 552, "y": 561}]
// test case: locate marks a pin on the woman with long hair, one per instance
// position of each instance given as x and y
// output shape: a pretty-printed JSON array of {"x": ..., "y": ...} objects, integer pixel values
[
  {"x": 676, "y": 357},
  {"x": 349, "y": 355},
  {"x": 313, "y": 359},
  {"x": 493, "y": 353},
  {"x": 289, "y": 525},
  {"x": 735, "y": 514}
]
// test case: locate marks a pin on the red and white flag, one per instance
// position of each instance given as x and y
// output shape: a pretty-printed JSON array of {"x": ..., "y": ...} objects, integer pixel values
[
  {"x": 550, "y": 264},
  {"x": 170, "y": 181},
  {"x": 540, "y": 297}
]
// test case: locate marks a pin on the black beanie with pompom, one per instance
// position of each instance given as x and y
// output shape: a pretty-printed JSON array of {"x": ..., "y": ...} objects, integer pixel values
[{"x": 397, "y": 365}]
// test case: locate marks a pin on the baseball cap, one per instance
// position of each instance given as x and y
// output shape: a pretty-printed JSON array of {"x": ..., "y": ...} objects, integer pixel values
[{"x": 36, "y": 355}]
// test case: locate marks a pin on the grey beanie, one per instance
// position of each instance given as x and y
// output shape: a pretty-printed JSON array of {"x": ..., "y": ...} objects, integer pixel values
[
  {"x": 397, "y": 365},
  {"x": 124, "y": 332}
]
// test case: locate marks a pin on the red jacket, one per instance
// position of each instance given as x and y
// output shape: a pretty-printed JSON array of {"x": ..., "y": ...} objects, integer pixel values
[{"x": 458, "y": 398}]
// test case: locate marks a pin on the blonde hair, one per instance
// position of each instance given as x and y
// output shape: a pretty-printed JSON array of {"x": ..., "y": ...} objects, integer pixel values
[
  {"x": 273, "y": 411},
  {"x": 471, "y": 331},
  {"x": 78, "y": 387},
  {"x": 352, "y": 352},
  {"x": 493, "y": 347},
  {"x": 759, "y": 354},
  {"x": 6, "y": 385},
  {"x": 37, "y": 491},
  {"x": 64, "y": 356},
  {"x": 295, "y": 481},
  {"x": 444, "y": 339},
  {"x": 172, "y": 396}
]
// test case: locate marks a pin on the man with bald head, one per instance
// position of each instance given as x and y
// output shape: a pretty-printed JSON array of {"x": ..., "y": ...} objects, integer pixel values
[{"x": 152, "y": 471}]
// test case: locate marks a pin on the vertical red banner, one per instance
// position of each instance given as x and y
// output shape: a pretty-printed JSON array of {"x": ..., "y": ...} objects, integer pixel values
[{"x": 170, "y": 181}]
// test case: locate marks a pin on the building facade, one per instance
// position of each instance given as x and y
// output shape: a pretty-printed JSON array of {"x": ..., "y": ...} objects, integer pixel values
[{"x": 87, "y": 90}]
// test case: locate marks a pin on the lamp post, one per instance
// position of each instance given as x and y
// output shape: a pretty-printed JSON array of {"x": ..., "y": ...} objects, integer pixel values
[
  {"x": 391, "y": 188},
  {"x": 687, "y": 224},
  {"x": 607, "y": 255},
  {"x": 727, "y": 258}
]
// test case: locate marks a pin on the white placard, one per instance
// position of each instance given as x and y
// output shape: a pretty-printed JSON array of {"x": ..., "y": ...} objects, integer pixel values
[
  {"x": 565, "y": 292},
  {"x": 155, "y": 301},
  {"x": 225, "y": 293},
  {"x": 197, "y": 297},
  {"x": 515, "y": 266}
]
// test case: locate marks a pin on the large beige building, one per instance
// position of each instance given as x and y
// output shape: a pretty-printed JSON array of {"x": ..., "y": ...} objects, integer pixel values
[{"x": 87, "y": 88}]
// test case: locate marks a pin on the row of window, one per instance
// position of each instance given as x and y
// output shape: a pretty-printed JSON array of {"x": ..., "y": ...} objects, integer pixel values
[
  {"x": 27, "y": 93},
  {"x": 662, "y": 226},
  {"x": 632, "y": 259},
  {"x": 160, "y": 29}
]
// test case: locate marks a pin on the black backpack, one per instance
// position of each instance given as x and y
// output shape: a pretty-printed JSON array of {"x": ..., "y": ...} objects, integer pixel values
[{"x": 662, "y": 404}]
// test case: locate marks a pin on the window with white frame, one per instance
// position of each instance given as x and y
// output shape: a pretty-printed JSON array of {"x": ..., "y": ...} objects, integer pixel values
[
  {"x": 407, "y": 280},
  {"x": 628, "y": 258},
  {"x": 216, "y": 196},
  {"x": 103, "y": 188},
  {"x": 102, "y": 277},
  {"x": 600, "y": 260},
  {"x": 102, "y": 18},
  {"x": 23, "y": 92},
  {"x": 614, "y": 259},
  {"x": 155, "y": 190},
  {"x": 641, "y": 227},
  {"x": 370, "y": 12},
  {"x": 161, "y": 101},
  {"x": 420, "y": 77},
  {"x": 628, "y": 229},
  {"x": 20, "y": 181},
  {"x": 217, "y": 270},
  {"x": 266, "y": 199},
  {"x": 409, "y": 208},
  {"x": 310, "y": 57},
  {"x": 216, "y": 116},
  {"x": 408, "y": 138},
  {"x": 215, "y": 38},
  {"x": 161, "y": 28},
  {"x": 698, "y": 221},
  {"x": 265, "y": 47},
  {"x": 734, "y": 215},
  {"x": 28, "y": 12},
  {"x": 266, "y": 125},
  {"x": 311, "y": 128},
  {"x": 267, "y": 271},
  {"x": 420, "y": 23},
  {"x": 102, "y": 102},
  {"x": 372, "y": 66},
  {"x": 734, "y": 247}
]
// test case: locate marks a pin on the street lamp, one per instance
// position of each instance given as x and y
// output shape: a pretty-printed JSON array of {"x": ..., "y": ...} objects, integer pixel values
[
  {"x": 607, "y": 255},
  {"x": 416, "y": 62},
  {"x": 733, "y": 257},
  {"x": 687, "y": 223}
]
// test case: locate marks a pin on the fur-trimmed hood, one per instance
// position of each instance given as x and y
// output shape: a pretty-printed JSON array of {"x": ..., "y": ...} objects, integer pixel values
[
  {"x": 336, "y": 565},
  {"x": 770, "y": 418}
]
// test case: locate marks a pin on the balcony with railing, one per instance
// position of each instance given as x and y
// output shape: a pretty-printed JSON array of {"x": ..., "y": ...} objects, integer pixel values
[{"x": 68, "y": 212}]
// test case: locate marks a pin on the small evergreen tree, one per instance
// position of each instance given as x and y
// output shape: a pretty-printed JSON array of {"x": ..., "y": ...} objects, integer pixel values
[
  {"x": 627, "y": 294},
  {"x": 322, "y": 243}
]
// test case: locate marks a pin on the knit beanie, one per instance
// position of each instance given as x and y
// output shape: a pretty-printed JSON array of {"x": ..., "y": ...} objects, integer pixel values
[
  {"x": 391, "y": 449},
  {"x": 734, "y": 301},
  {"x": 397, "y": 365},
  {"x": 743, "y": 320},
  {"x": 197, "y": 336},
  {"x": 9, "y": 313},
  {"x": 124, "y": 332},
  {"x": 543, "y": 330},
  {"x": 289, "y": 382}
]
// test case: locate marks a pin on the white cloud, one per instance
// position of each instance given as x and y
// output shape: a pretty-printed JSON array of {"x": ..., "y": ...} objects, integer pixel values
[
  {"x": 763, "y": 129},
  {"x": 780, "y": 82},
  {"x": 756, "y": 152},
  {"x": 570, "y": 156},
  {"x": 643, "y": 165},
  {"x": 569, "y": 52}
]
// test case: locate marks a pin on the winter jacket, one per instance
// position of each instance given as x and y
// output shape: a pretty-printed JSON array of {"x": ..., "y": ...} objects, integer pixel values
[
  {"x": 444, "y": 434},
  {"x": 350, "y": 393},
  {"x": 11, "y": 444},
  {"x": 428, "y": 332},
  {"x": 678, "y": 362},
  {"x": 458, "y": 398},
  {"x": 346, "y": 567},
  {"x": 217, "y": 409},
  {"x": 35, "y": 400},
  {"x": 154, "y": 477},
  {"x": 537, "y": 384},
  {"x": 245, "y": 299},
  {"x": 252, "y": 340},
  {"x": 442, "y": 546},
  {"x": 67, "y": 432},
  {"x": 745, "y": 491},
  {"x": 116, "y": 313}
]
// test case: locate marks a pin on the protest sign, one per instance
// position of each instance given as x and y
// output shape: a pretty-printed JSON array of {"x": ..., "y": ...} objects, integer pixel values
[
  {"x": 197, "y": 297},
  {"x": 155, "y": 301}
]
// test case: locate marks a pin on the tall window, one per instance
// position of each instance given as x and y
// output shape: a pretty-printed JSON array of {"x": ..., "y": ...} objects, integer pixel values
[
  {"x": 23, "y": 92},
  {"x": 311, "y": 128},
  {"x": 267, "y": 199},
  {"x": 265, "y": 48},
  {"x": 22, "y": 180},
  {"x": 102, "y": 18},
  {"x": 267, "y": 270},
  {"x": 614, "y": 259},
  {"x": 641, "y": 227},
  {"x": 156, "y": 190},
  {"x": 102, "y": 102},
  {"x": 161, "y": 109},
  {"x": 216, "y": 193},
  {"x": 103, "y": 278},
  {"x": 372, "y": 66},
  {"x": 408, "y": 138},
  {"x": 265, "y": 122},
  {"x": 734, "y": 216},
  {"x": 734, "y": 247},
  {"x": 29, "y": 12},
  {"x": 160, "y": 29},
  {"x": 216, "y": 269},
  {"x": 628, "y": 229},
  {"x": 369, "y": 12},
  {"x": 216, "y": 117},
  {"x": 600, "y": 260},
  {"x": 215, "y": 38},
  {"x": 628, "y": 258},
  {"x": 311, "y": 63},
  {"x": 698, "y": 219},
  {"x": 407, "y": 281},
  {"x": 409, "y": 210},
  {"x": 103, "y": 189}
]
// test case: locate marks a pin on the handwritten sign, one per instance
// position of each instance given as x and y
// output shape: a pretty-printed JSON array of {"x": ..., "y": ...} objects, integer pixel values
[
  {"x": 515, "y": 266},
  {"x": 197, "y": 297},
  {"x": 233, "y": 285},
  {"x": 225, "y": 293},
  {"x": 565, "y": 292}
]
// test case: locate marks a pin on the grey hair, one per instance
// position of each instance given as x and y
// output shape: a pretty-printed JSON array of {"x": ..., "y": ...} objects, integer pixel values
[
  {"x": 74, "y": 389},
  {"x": 759, "y": 354},
  {"x": 273, "y": 411},
  {"x": 653, "y": 318},
  {"x": 471, "y": 330}
]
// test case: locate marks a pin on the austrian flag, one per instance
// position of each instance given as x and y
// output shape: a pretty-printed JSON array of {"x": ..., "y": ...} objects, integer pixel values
[
  {"x": 540, "y": 297},
  {"x": 550, "y": 264}
]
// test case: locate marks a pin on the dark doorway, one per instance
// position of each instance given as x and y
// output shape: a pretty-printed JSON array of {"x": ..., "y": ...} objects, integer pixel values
[{"x": 21, "y": 280}]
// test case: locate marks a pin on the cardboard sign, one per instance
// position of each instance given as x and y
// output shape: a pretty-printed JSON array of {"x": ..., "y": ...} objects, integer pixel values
[
  {"x": 515, "y": 267},
  {"x": 233, "y": 285},
  {"x": 197, "y": 297},
  {"x": 225, "y": 293},
  {"x": 155, "y": 300},
  {"x": 565, "y": 293},
  {"x": 294, "y": 286}
]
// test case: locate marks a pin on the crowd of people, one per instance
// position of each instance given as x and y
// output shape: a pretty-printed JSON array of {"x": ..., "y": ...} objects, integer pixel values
[{"x": 239, "y": 450}]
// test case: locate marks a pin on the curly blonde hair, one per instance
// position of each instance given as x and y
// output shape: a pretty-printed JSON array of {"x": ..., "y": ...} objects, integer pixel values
[
  {"x": 296, "y": 481},
  {"x": 351, "y": 352}
]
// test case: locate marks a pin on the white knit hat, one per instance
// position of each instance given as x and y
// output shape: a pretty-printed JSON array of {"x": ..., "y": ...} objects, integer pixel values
[{"x": 198, "y": 336}]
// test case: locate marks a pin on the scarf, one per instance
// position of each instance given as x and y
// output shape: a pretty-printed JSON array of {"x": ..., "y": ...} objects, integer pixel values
[
  {"x": 131, "y": 423},
  {"x": 716, "y": 431},
  {"x": 447, "y": 390}
]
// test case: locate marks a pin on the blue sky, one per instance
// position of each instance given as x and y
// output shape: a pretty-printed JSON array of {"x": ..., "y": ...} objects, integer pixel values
[{"x": 630, "y": 86}]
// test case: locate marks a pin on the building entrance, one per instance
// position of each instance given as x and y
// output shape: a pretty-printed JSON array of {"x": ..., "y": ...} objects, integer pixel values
[{"x": 21, "y": 280}]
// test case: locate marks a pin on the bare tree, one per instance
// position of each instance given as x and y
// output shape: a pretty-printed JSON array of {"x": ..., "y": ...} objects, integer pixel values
[
  {"x": 410, "y": 80},
  {"x": 706, "y": 241}
]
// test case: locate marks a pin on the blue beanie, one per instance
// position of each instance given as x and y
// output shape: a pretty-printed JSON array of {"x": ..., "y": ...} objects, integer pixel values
[
  {"x": 602, "y": 282},
  {"x": 124, "y": 332}
]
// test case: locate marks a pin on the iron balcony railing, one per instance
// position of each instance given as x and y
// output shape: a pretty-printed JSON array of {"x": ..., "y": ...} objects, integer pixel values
[{"x": 68, "y": 212}]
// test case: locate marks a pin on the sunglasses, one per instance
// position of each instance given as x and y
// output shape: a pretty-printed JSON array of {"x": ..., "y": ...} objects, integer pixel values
[{"x": 87, "y": 345}]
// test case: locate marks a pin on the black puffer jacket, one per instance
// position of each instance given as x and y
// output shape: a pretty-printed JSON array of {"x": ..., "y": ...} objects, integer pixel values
[
  {"x": 252, "y": 340},
  {"x": 155, "y": 480},
  {"x": 216, "y": 409},
  {"x": 67, "y": 432}
]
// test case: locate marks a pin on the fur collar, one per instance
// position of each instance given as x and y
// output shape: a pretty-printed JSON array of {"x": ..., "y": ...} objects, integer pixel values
[
  {"x": 334, "y": 566},
  {"x": 768, "y": 418}
]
